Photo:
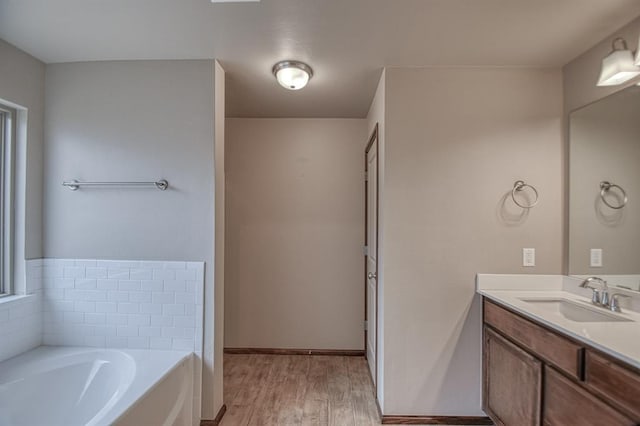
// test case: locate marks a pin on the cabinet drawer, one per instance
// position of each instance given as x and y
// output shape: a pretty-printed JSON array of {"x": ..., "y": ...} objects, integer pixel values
[
  {"x": 566, "y": 403},
  {"x": 543, "y": 343},
  {"x": 613, "y": 382}
]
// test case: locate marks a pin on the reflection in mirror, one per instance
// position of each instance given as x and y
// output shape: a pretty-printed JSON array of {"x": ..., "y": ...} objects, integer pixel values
[{"x": 604, "y": 195}]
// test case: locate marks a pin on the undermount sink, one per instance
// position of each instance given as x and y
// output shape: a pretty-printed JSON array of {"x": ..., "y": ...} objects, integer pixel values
[{"x": 575, "y": 311}]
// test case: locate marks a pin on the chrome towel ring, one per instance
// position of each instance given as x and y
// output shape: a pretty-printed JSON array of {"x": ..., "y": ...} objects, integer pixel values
[
  {"x": 520, "y": 185},
  {"x": 606, "y": 187}
]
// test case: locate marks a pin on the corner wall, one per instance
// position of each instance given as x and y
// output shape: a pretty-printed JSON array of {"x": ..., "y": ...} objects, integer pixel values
[
  {"x": 130, "y": 121},
  {"x": 456, "y": 139}
]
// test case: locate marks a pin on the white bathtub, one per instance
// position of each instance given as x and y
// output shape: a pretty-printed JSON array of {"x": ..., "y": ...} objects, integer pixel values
[{"x": 67, "y": 386}]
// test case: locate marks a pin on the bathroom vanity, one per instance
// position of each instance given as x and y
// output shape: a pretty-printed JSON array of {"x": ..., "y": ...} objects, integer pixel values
[{"x": 549, "y": 358}]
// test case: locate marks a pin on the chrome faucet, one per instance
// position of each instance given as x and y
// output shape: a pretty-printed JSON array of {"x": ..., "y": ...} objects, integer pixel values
[
  {"x": 614, "y": 305},
  {"x": 597, "y": 298}
]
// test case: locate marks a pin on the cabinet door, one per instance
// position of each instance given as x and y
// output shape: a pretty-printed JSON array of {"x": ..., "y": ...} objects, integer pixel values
[
  {"x": 512, "y": 382},
  {"x": 566, "y": 403}
]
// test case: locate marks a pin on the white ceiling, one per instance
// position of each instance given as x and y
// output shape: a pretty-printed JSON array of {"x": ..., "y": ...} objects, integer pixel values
[{"x": 347, "y": 42}]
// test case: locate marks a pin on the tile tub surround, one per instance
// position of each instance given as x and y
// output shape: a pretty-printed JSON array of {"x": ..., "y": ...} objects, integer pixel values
[
  {"x": 123, "y": 304},
  {"x": 21, "y": 315}
]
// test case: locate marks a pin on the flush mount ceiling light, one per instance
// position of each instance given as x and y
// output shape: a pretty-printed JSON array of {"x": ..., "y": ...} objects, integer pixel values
[
  {"x": 618, "y": 66},
  {"x": 292, "y": 75}
]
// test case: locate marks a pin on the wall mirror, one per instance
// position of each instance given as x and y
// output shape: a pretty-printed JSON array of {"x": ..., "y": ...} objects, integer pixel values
[{"x": 604, "y": 189}]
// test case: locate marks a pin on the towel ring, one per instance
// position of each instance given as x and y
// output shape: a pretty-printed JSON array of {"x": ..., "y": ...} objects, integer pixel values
[
  {"x": 606, "y": 187},
  {"x": 518, "y": 186}
]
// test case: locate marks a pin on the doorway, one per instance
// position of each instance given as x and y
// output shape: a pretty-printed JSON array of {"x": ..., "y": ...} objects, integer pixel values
[{"x": 371, "y": 253}]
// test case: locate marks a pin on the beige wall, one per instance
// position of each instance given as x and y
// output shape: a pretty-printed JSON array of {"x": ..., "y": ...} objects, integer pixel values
[
  {"x": 605, "y": 145},
  {"x": 295, "y": 229},
  {"x": 456, "y": 140}
]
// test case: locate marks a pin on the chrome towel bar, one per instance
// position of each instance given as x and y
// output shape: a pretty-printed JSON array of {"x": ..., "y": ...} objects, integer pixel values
[{"x": 73, "y": 185}]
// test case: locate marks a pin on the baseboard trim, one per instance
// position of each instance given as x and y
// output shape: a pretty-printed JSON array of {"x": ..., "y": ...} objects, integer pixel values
[
  {"x": 436, "y": 420},
  {"x": 277, "y": 351},
  {"x": 217, "y": 420}
]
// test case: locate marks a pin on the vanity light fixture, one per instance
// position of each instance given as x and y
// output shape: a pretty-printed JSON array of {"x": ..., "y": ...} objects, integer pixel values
[
  {"x": 618, "y": 66},
  {"x": 292, "y": 75}
]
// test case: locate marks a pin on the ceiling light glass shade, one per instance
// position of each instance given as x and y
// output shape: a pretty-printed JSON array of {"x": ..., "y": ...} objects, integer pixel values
[
  {"x": 292, "y": 75},
  {"x": 618, "y": 67}
]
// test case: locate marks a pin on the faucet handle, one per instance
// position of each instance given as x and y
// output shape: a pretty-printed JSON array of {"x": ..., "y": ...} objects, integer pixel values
[
  {"x": 595, "y": 296},
  {"x": 614, "y": 305}
]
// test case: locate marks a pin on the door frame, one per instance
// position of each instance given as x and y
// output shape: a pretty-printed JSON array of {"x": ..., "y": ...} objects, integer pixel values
[{"x": 373, "y": 139}]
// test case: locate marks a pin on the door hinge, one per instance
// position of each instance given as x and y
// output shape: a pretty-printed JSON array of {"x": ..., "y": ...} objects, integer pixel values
[
  {"x": 366, "y": 325},
  {"x": 365, "y": 250},
  {"x": 366, "y": 176}
]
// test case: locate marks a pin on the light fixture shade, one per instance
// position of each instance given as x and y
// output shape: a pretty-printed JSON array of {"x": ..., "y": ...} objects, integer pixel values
[
  {"x": 618, "y": 67},
  {"x": 292, "y": 75}
]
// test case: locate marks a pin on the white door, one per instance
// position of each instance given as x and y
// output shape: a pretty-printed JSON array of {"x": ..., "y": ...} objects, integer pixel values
[{"x": 372, "y": 254}]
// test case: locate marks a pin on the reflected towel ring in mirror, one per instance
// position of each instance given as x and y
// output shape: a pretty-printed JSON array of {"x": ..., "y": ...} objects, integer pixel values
[
  {"x": 606, "y": 187},
  {"x": 518, "y": 186}
]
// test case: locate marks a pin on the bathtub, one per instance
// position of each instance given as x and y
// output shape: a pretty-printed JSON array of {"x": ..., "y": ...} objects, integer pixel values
[{"x": 68, "y": 386}]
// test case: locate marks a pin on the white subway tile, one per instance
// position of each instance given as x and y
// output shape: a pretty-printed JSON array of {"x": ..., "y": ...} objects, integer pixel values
[
  {"x": 95, "y": 318},
  {"x": 186, "y": 274},
  {"x": 118, "y": 296},
  {"x": 140, "y": 274},
  {"x": 106, "y": 307},
  {"x": 84, "y": 306},
  {"x": 139, "y": 319},
  {"x": 160, "y": 343},
  {"x": 163, "y": 297},
  {"x": 116, "y": 319},
  {"x": 63, "y": 283},
  {"x": 140, "y": 296},
  {"x": 190, "y": 310},
  {"x": 177, "y": 332},
  {"x": 73, "y": 272},
  {"x": 116, "y": 342},
  {"x": 127, "y": 331},
  {"x": 118, "y": 273},
  {"x": 85, "y": 262},
  {"x": 128, "y": 308},
  {"x": 105, "y": 330},
  {"x": 150, "y": 331},
  {"x": 173, "y": 309},
  {"x": 184, "y": 321},
  {"x": 138, "y": 342},
  {"x": 85, "y": 284},
  {"x": 164, "y": 274},
  {"x": 147, "y": 285},
  {"x": 175, "y": 265},
  {"x": 106, "y": 284},
  {"x": 183, "y": 344},
  {"x": 150, "y": 308},
  {"x": 73, "y": 317},
  {"x": 129, "y": 285},
  {"x": 52, "y": 271},
  {"x": 150, "y": 264},
  {"x": 186, "y": 298},
  {"x": 173, "y": 285},
  {"x": 159, "y": 320},
  {"x": 96, "y": 272}
]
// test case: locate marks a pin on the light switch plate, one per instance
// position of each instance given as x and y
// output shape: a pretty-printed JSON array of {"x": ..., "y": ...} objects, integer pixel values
[
  {"x": 528, "y": 257},
  {"x": 596, "y": 258}
]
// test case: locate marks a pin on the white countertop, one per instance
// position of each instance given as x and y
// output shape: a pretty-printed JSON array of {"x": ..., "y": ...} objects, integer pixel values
[{"x": 621, "y": 340}]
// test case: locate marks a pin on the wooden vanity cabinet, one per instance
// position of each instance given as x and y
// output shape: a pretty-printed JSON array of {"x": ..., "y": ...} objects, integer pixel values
[
  {"x": 512, "y": 391},
  {"x": 533, "y": 375}
]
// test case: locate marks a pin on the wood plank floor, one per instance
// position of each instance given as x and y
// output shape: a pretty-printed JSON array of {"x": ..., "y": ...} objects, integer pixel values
[{"x": 301, "y": 390}]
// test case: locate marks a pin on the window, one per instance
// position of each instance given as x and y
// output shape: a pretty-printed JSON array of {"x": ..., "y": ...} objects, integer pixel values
[{"x": 7, "y": 152}]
